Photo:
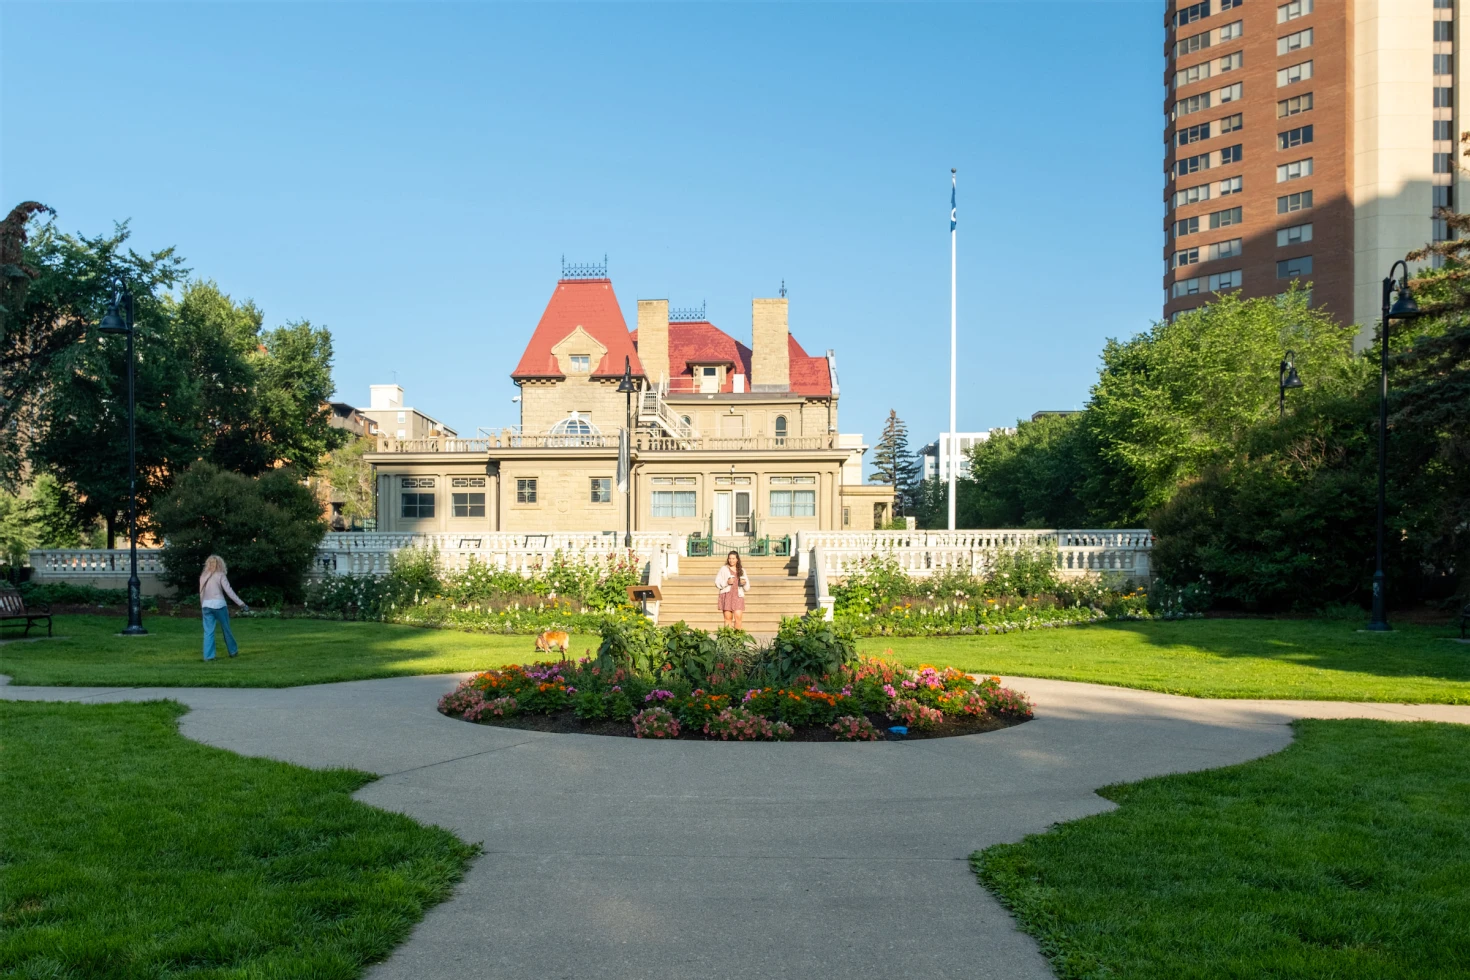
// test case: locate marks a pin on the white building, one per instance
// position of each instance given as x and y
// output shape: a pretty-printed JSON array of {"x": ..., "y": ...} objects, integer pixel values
[{"x": 936, "y": 455}]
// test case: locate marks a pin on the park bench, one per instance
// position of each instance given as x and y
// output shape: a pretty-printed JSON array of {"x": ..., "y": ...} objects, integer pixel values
[{"x": 13, "y": 610}]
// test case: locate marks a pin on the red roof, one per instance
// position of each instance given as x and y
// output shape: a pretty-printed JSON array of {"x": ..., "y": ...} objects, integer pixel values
[
  {"x": 591, "y": 305},
  {"x": 701, "y": 342}
]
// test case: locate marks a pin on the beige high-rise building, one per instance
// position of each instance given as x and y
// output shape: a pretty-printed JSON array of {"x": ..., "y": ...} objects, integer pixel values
[{"x": 1310, "y": 140}]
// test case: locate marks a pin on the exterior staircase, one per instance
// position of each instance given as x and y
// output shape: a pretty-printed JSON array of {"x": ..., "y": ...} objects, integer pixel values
[
  {"x": 652, "y": 409},
  {"x": 775, "y": 592}
]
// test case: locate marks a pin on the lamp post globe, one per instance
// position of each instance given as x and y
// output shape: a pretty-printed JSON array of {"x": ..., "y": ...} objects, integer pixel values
[
  {"x": 1287, "y": 377},
  {"x": 1398, "y": 304}
]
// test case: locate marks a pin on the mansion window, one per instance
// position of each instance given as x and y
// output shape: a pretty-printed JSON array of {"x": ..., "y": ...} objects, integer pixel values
[
  {"x": 780, "y": 430},
  {"x": 581, "y": 363},
  {"x": 526, "y": 491},
  {"x": 602, "y": 489},
  {"x": 674, "y": 503},
  {"x": 793, "y": 503},
  {"x": 469, "y": 504},
  {"x": 418, "y": 505}
]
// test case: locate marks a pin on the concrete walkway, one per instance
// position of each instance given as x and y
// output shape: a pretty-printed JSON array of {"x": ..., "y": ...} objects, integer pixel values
[{"x": 618, "y": 858}]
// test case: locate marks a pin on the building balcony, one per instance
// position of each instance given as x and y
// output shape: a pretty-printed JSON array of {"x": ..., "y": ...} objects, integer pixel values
[{"x": 643, "y": 441}]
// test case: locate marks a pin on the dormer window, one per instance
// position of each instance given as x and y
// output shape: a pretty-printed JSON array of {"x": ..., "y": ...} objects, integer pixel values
[
  {"x": 709, "y": 378},
  {"x": 581, "y": 363}
]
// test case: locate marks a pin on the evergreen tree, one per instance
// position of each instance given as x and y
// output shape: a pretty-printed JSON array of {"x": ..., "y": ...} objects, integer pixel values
[{"x": 894, "y": 465}]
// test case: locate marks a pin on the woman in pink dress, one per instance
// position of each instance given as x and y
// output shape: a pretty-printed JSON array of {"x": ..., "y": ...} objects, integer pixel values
[{"x": 732, "y": 583}]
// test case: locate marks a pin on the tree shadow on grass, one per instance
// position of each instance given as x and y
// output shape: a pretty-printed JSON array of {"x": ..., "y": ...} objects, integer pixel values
[{"x": 1340, "y": 645}]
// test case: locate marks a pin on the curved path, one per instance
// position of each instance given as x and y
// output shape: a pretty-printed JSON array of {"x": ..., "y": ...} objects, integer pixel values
[{"x": 618, "y": 858}]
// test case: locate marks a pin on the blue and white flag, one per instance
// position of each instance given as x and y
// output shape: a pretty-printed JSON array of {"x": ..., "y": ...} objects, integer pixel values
[{"x": 952, "y": 221}]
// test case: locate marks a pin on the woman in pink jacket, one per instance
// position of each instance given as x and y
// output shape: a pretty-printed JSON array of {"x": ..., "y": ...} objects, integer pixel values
[
  {"x": 214, "y": 585},
  {"x": 732, "y": 583}
]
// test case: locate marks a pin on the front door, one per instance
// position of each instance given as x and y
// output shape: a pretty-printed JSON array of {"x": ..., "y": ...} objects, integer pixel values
[
  {"x": 722, "y": 511},
  {"x": 742, "y": 511}
]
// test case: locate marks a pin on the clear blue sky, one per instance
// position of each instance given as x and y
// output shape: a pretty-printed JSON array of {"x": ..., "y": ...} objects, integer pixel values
[{"x": 410, "y": 176}]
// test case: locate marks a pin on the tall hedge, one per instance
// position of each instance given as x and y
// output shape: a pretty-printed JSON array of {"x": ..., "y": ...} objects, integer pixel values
[{"x": 267, "y": 528}]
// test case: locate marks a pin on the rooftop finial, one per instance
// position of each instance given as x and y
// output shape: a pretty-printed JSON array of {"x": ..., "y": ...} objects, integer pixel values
[{"x": 783, "y": 288}]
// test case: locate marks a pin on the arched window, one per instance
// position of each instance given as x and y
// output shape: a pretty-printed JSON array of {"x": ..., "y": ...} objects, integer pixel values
[
  {"x": 780, "y": 430},
  {"x": 574, "y": 430}
]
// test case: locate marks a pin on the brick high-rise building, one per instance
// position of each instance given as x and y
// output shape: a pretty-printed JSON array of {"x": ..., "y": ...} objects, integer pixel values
[{"x": 1308, "y": 140}]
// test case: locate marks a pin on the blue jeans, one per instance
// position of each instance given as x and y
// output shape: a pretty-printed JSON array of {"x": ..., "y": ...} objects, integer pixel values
[{"x": 221, "y": 616}]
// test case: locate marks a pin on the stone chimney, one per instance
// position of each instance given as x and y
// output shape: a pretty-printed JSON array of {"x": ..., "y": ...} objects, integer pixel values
[
  {"x": 653, "y": 338},
  {"x": 770, "y": 352}
]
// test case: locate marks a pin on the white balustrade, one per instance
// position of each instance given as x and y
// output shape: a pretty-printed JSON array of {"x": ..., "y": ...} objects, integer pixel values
[
  {"x": 93, "y": 562},
  {"x": 924, "y": 553}
]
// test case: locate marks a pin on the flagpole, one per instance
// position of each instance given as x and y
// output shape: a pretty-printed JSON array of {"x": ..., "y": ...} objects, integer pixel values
[{"x": 954, "y": 456}]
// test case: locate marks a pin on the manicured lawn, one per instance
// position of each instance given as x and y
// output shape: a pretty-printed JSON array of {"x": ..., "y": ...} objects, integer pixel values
[
  {"x": 1345, "y": 856},
  {"x": 129, "y": 851},
  {"x": 1326, "y": 660},
  {"x": 1218, "y": 658},
  {"x": 273, "y": 653}
]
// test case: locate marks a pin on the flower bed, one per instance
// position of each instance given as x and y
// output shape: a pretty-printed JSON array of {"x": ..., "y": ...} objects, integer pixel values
[{"x": 681, "y": 683}]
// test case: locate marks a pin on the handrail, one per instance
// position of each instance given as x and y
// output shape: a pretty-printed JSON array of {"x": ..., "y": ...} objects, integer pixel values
[{"x": 825, "y": 600}]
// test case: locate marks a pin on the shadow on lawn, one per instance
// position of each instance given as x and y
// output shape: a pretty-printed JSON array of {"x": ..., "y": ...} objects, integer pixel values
[{"x": 1414, "y": 651}]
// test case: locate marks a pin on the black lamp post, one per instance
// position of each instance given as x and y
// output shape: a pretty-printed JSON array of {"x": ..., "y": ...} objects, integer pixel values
[
  {"x": 625, "y": 454},
  {"x": 1402, "y": 308},
  {"x": 112, "y": 322},
  {"x": 1287, "y": 377}
]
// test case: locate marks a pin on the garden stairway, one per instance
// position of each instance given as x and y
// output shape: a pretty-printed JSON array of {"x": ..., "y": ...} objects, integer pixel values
[{"x": 775, "y": 592}]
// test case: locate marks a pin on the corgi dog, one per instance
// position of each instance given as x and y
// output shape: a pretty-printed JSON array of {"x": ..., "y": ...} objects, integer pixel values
[{"x": 553, "y": 640}]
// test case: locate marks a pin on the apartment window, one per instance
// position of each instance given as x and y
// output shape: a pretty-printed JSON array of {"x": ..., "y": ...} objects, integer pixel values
[
  {"x": 1443, "y": 64},
  {"x": 1293, "y": 137},
  {"x": 1195, "y": 103},
  {"x": 1294, "y": 202},
  {"x": 1293, "y": 74},
  {"x": 1230, "y": 124},
  {"x": 1443, "y": 197},
  {"x": 673, "y": 503},
  {"x": 1294, "y": 268},
  {"x": 1230, "y": 185},
  {"x": 1294, "y": 235},
  {"x": 1293, "y": 10},
  {"x": 1221, "y": 281},
  {"x": 1444, "y": 129},
  {"x": 1226, "y": 218},
  {"x": 602, "y": 490},
  {"x": 1187, "y": 287},
  {"x": 1225, "y": 250},
  {"x": 1193, "y": 134},
  {"x": 1231, "y": 62},
  {"x": 1192, "y": 165},
  {"x": 1294, "y": 42},
  {"x": 1231, "y": 31},
  {"x": 526, "y": 491},
  {"x": 1444, "y": 4},
  {"x": 1295, "y": 170},
  {"x": 1444, "y": 98},
  {"x": 468, "y": 504},
  {"x": 1192, "y": 13},
  {"x": 1444, "y": 30},
  {"x": 1186, "y": 226},
  {"x": 1187, "y": 256},
  {"x": 1191, "y": 44},
  {"x": 793, "y": 503},
  {"x": 1230, "y": 154},
  {"x": 1192, "y": 195},
  {"x": 1443, "y": 163},
  {"x": 1294, "y": 106},
  {"x": 1230, "y": 93},
  {"x": 1195, "y": 73},
  {"x": 417, "y": 506},
  {"x": 402, "y": 417}
]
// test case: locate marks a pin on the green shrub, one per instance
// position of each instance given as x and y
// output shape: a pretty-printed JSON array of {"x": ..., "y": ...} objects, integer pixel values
[
  {"x": 66, "y": 594},
  {"x": 808, "y": 646},
  {"x": 267, "y": 528}
]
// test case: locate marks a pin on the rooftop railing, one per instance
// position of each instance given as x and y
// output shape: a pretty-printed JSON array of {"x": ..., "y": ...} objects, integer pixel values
[{"x": 642, "y": 442}]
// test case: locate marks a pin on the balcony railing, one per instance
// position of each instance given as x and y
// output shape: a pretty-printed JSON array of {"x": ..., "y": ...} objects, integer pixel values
[{"x": 642, "y": 442}]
